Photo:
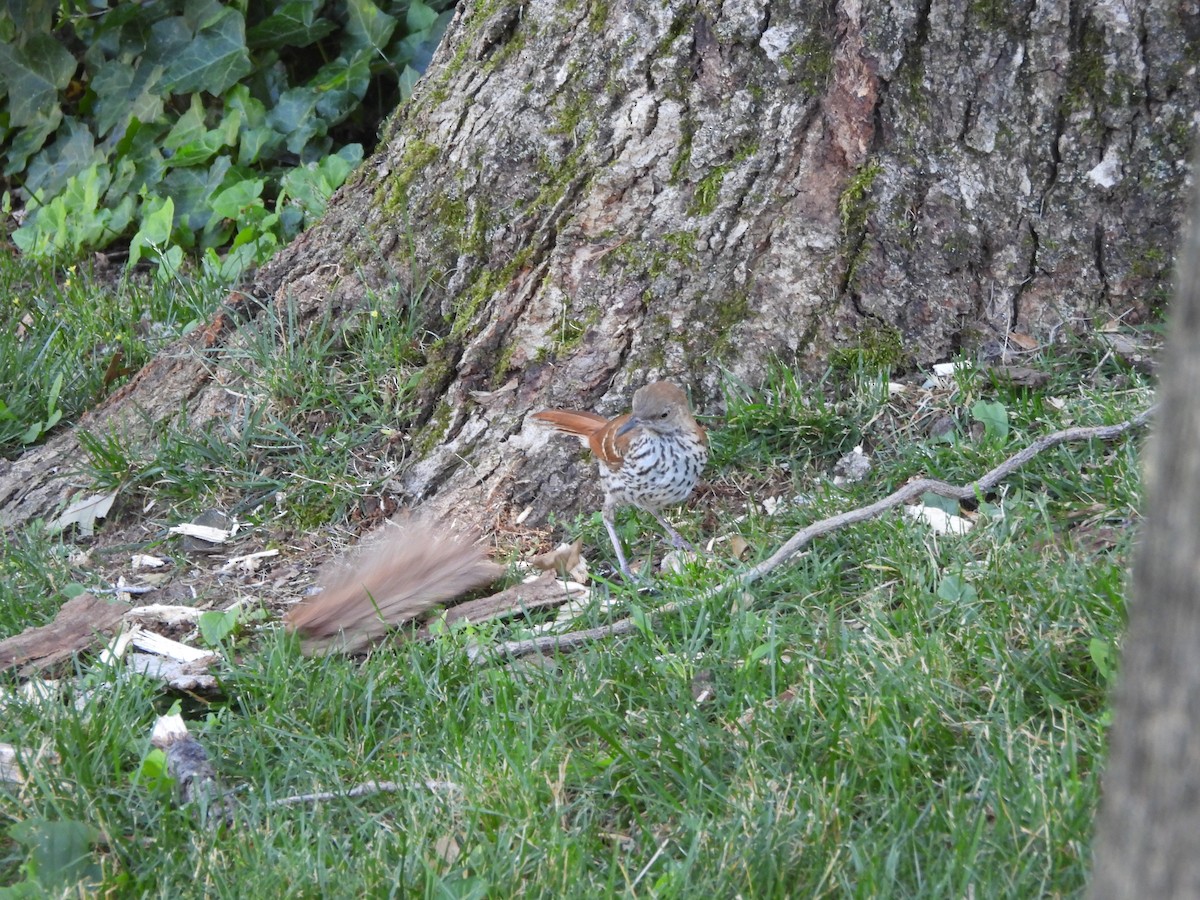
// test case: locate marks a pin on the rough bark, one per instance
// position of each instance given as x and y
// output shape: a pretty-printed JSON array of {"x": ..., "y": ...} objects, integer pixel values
[
  {"x": 1148, "y": 838},
  {"x": 73, "y": 630},
  {"x": 605, "y": 193}
]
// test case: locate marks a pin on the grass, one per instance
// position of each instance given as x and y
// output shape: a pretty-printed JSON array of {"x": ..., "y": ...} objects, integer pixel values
[
  {"x": 895, "y": 713},
  {"x": 68, "y": 337}
]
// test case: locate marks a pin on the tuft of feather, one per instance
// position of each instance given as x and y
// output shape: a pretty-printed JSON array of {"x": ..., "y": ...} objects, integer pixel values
[
  {"x": 393, "y": 577},
  {"x": 580, "y": 424}
]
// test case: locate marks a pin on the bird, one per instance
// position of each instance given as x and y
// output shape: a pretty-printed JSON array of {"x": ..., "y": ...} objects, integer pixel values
[{"x": 650, "y": 458}]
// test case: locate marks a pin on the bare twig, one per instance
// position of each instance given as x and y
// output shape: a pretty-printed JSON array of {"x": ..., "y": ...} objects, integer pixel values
[
  {"x": 196, "y": 778},
  {"x": 802, "y": 538},
  {"x": 361, "y": 790}
]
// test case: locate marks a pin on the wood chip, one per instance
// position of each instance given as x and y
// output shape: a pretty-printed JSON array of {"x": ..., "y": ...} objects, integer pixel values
[
  {"x": 81, "y": 623},
  {"x": 543, "y": 592},
  {"x": 1024, "y": 341},
  {"x": 206, "y": 533}
]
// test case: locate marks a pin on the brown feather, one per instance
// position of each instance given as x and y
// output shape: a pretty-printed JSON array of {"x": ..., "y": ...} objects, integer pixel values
[
  {"x": 596, "y": 432},
  {"x": 392, "y": 578},
  {"x": 580, "y": 424}
]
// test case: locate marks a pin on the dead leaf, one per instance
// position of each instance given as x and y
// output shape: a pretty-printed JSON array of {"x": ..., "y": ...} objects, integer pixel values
[
  {"x": 938, "y": 520},
  {"x": 1024, "y": 341},
  {"x": 23, "y": 326},
  {"x": 677, "y": 561},
  {"x": 561, "y": 559},
  {"x": 84, "y": 512},
  {"x": 1021, "y": 376},
  {"x": 785, "y": 699},
  {"x": 11, "y": 769},
  {"x": 446, "y": 849},
  {"x": 739, "y": 546},
  {"x": 852, "y": 468},
  {"x": 206, "y": 532},
  {"x": 116, "y": 367},
  {"x": 165, "y": 616}
]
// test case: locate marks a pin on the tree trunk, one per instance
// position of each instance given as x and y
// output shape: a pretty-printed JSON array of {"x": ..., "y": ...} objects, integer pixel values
[
  {"x": 1148, "y": 839},
  {"x": 605, "y": 193}
]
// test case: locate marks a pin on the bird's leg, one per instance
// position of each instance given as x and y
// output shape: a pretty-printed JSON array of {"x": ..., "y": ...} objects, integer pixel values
[
  {"x": 676, "y": 538},
  {"x": 607, "y": 516}
]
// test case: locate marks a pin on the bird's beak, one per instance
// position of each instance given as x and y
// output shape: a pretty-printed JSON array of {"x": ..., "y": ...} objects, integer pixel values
[{"x": 631, "y": 424}]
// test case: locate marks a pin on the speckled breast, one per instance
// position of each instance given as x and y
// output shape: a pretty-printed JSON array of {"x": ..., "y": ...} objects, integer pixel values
[{"x": 658, "y": 471}]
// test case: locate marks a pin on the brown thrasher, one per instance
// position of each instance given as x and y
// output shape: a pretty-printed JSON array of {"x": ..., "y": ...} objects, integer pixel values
[{"x": 650, "y": 458}]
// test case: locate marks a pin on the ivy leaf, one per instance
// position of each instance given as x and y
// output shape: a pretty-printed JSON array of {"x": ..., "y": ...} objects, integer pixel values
[
  {"x": 956, "y": 589},
  {"x": 420, "y": 16},
  {"x": 34, "y": 73},
  {"x": 141, "y": 146},
  {"x": 158, "y": 215},
  {"x": 198, "y": 151},
  {"x": 293, "y": 24},
  {"x": 192, "y": 189},
  {"x": 994, "y": 418},
  {"x": 294, "y": 116},
  {"x": 311, "y": 186},
  {"x": 188, "y": 127},
  {"x": 337, "y": 168},
  {"x": 417, "y": 47},
  {"x": 124, "y": 92},
  {"x": 235, "y": 199},
  {"x": 341, "y": 84},
  {"x": 408, "y": 80},
  {"x": 152, "y": 773},
  {"x": 31, "y": 138},
  {"x": 169, "y": 38},
  {"x": 106, "y": 36},
  {"x": 367, "y": 25},
  {"x": 61, "y": 851},
  {"x": 945, "y": 504},
  {"x": 215, "y": 60},
  {"x": 216, "y": 625},
  {"x": 35, "y": 16},
  {"x": 193, "y": 143},
  {"x": 255, "y": 138},
  {"x": 256, "y": 142},
  {"x": 70, "y": 154}
]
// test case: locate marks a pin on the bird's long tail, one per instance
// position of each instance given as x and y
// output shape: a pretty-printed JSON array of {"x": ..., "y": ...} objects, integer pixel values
[
  {"x": 409, "y": 568},
  {"x": 581, "y": 424}
]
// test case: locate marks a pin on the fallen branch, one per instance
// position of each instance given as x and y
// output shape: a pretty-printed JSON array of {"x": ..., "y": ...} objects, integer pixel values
[
  {"x": 364, "y": 789},
  {"x": 74, "y": 629},
  {"x": 802, "y": 538},
  {"x": 196, "y": 779}
]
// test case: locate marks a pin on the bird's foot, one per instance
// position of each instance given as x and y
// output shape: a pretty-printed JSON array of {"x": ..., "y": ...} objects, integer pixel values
[{"x": 678, "y": 541}]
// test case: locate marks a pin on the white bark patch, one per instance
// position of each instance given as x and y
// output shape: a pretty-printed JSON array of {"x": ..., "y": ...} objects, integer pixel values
[
  {"x": 776, "y": 40},
  {"x": 1108, "y": 172}
]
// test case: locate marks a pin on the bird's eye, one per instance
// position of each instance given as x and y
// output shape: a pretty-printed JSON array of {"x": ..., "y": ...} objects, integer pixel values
[{"x": 664, "y": 413}]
